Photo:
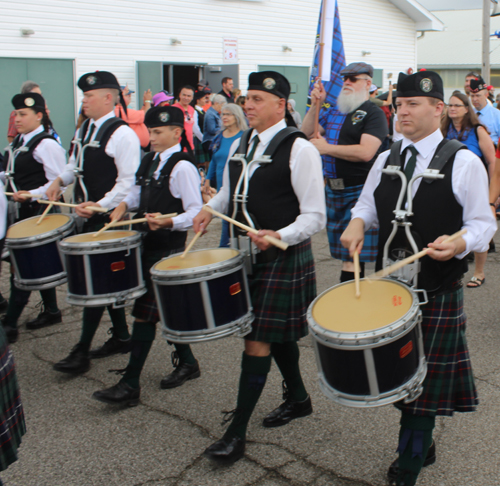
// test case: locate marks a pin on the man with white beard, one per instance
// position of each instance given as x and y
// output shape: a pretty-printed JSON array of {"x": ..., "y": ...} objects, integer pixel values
[{"x": 349, "y": 139}]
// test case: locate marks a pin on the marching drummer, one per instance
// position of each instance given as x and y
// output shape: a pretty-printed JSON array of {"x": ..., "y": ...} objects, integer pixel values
[
  {"x": 285, "y": 197},
  {"x": 105, "y": 179},
  {"x": 167, "y": 182},
  {"x": 440, "y": 208},
  {"x": 38, "y": 159}
]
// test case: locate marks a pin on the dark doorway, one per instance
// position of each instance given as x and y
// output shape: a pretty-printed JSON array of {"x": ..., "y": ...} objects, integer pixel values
[{"x": 177, "y": 75}]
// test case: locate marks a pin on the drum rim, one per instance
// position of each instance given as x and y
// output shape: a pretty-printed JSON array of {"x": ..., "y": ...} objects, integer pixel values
[
  {"x": 193, "y": 272},
  {"x": 54, "y": 234},
  {"x": 123, "y": 242},
  {"x": 371, "y": 338}
]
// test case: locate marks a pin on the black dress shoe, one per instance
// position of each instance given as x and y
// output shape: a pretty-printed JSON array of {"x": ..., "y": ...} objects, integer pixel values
[
  {"x": 120, "y": 394},
  {"x": 182, "y": 373},
  {"x": 227, "y": 450},
  {"x": 75, "y": 363},
  {"x": 112, "y": 346},
  {"x": 44, "y": 319},
  {"x": 288, "y": 411},
  {"x": 393, "y": 471}
]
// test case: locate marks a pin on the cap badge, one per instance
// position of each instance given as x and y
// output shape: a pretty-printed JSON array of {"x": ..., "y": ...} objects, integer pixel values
[
  {"x": 269, "y": 83},
  {"x": 426, "y": 85},
  {"x": 29, "y": 101},
  {"x": 357, "y": 116},
  {"x": 91, "y": 80},
  {"x": 164, "y": 117}
]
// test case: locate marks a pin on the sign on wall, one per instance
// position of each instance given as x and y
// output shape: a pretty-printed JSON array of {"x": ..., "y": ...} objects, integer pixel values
[{"x": 230, "y": 50}]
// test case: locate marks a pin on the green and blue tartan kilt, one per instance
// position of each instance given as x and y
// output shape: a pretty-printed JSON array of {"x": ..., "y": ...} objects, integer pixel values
[
  {"x": 449, "y": 385},
  {"x": 12, "y": 425},
  {"x": 338, "y": 212},
  {"x": 281, "y": 292},
  {"x": 145, "y": 307},
  {"x": 200, "y": 154}
]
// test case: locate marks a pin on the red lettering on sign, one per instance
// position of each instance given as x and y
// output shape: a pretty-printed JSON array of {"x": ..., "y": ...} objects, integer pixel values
[
  {"x": 117, "y": 266},
  {"x": 397, "y": 300},
  {"x": 235, "y": 289},
  {"x": 406, "y": 350}
]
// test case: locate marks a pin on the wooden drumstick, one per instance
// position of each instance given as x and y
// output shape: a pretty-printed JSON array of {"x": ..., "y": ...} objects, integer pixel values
[
  {"x": 49, "y": 207},
  {"x": 24, "y": 195},
  {"x": 96, "y": 209},
  {"x": 131, "y": 221},
  {"x": 191, "y": 244},
  {"x": 396, "y": 266},
  {"x": 356, "y": 274},
  {"x": 271, "y": 239}
]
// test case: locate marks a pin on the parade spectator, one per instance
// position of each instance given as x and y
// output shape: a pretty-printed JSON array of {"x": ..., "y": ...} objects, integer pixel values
[
  {"x": 213, "y": 122},
  {"x": 241, "y": 102},
  {"x": 295, "y": 114},
  {"x": 201, "y": 98},
  {"x": 487, "y": 115},
  {"x": 135, "y": 118},
  {"x": 191, "y": 128},
  {"x": 163, "y": 98},
  {"x": 227, "y": 88},
  {"x": 461, "y": 123},
  {"x": 236, "y": 94},
  {"x": 468, "y": 78}
]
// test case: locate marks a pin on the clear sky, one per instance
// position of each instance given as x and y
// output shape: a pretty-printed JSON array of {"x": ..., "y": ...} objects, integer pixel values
[{"x": 451, "y": 4}]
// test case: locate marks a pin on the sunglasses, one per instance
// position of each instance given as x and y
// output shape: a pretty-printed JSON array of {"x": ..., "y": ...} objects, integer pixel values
[{"x": 353, "y": 78}]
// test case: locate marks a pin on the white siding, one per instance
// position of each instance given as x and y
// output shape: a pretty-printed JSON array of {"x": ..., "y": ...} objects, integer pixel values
[{"x": 114, "y": 34}]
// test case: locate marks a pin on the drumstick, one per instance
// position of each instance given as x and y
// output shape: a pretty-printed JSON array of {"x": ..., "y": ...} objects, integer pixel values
[
  {"x": 96, "y": 209},
  {"x": 396, "y": 266},
  {"x": 131, "y": 221},
  {"x": 191, "y": 244},
  {"x": 24, "y": 195},
  {"x": 49, "y": 207},
  {"x": 356, "y": 274},
  {"x": 271, "y": 239}
]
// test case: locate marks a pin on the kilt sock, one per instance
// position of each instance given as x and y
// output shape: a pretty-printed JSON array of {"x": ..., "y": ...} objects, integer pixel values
[
  {"x": 143, "y": 335},
  {"x": 120, "y": 328},
  {"x": 254, "y": 370},
  {"x": 49, "y": 299},
  {"x": 184, "y": 353},
  {"x": 415, "y": 438},
  {"x": 92, "y": 318},
  {"x": 287, "y": 356}
]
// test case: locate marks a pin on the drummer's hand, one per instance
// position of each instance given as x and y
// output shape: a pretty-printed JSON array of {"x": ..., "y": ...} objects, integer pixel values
[
  {"x": 259, "y": 240},
  {"x": 156, "y": 224},
  {"x": 86, "y": 213},
  {"x": 353, "y": 236},
  {"x": 22, "y": 196},
  {"x": 54, "y": 190},
  {"x": 445, "y": 251},
  {"x": 119, "y": 212},
  {"x": 201, "y": 221}
]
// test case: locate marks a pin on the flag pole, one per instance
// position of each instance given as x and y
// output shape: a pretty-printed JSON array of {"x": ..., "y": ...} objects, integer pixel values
[{"x": 320, "y": 63}]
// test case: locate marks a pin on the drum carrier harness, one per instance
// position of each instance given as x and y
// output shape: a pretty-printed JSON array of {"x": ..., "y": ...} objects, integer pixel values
[
  {"x": 445, "y": 152},
  {"x": 240, "y": 212}
]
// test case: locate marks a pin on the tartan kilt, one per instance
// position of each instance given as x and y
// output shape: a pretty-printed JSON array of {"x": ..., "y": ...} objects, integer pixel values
[
  {"x": 338, "y": 212},
  {"x": 12, "y": 425},
  {"x": 281, "y": 292},
  {"x": 200, "y": 154},
  {"x": 449, "y": 385},
  {"x": 145, "y": 306}
]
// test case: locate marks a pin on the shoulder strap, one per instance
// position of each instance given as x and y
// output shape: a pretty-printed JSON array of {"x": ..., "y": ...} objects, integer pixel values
[
  {"x": 245, "y": 138},
  {"x": 395, "y": 154},
  {"x": 444, "y": 152},
  {"x": 146, "y": 160},
  {"x": 281, "y": 137},
  {"x": 83, "y": 129},
  {"x": 38, "y": 138},
  {"x": 112, "y": 124},
  {"x": 172, "y": 161}
]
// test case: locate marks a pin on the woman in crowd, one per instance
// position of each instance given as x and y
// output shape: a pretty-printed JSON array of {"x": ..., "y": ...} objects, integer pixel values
[
  {"x": 295, "y": 114},
  {"x": 461, "y": 123}
]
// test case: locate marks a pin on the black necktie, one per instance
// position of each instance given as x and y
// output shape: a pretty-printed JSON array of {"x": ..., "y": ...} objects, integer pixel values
[
  {"x": 154, "y": 165},
  {"x": 89, "y": 134},
  {"x": 255, "y": 142},
  {"x": 412, "y": 162},
  {"x": 478, "y": 113}
]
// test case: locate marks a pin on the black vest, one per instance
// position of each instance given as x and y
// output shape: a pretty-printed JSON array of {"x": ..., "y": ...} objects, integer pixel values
[
  {"x": 156, "y": 197},
  {"x": 99, "y": 169},
  {"x": 272, "y": 202},
  {"x": 28, "y": 173},
  {"x": 436, "y": 213}
]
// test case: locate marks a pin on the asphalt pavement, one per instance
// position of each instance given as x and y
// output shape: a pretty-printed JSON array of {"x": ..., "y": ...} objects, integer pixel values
[{"x": 73, "y": 440}]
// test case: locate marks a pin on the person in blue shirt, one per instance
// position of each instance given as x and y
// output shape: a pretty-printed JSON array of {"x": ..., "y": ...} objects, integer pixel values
[
  {"x": 486, "y": 113},
  {"x": 212, "y": 123},
  {"x": 234, "y": 124}
]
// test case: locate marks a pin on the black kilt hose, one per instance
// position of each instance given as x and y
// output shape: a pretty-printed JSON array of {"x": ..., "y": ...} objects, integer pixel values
[
  {"x": 12, "y": 425},
  {"x": 449, "y": 384},
  {"x": 145, "y": 307},
  {"x": 281, "y": 292}
]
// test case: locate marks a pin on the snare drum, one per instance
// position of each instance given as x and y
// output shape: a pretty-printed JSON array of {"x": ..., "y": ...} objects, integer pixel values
[
  {"x": 369, "y": 351},
  {"x": 34, "y": 253},
  {"x": 103, "y": 270},
  {"x": 204, "y": 296}
]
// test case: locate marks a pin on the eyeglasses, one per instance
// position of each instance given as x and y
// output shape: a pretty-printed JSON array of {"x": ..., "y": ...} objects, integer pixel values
[
  {"x": 227, "y": 114},
  {"x": 456, "y": 106},
  {"x": 353, "y": 78}
]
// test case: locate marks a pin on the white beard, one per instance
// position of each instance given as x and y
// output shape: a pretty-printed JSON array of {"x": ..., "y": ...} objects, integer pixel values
[{"x": 347, "y": 103}]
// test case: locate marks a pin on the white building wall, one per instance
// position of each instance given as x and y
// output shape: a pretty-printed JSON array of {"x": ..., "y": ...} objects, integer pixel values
[{"x": 114, "y": 34}]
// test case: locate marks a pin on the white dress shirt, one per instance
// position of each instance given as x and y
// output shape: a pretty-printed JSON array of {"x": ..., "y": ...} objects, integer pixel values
[
  {"x": 196, "y": 127},
  {"x": 490, "y": 118},
  {"x": 50, "y": 154},
  {"x": 307, "y": 182},
  {"x": 124, "y": 147},
  {"x": 184, "y": 184},
  {"x": 469, "y": 184}
]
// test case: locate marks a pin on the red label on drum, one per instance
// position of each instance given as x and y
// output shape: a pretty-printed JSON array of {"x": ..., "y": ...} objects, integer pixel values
[
  {"x": 406, "y": 350},
  {"x": 397, "y": 300},
  {"x": 117, "y": 266},
  {"x": 235, "y": 289}
]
